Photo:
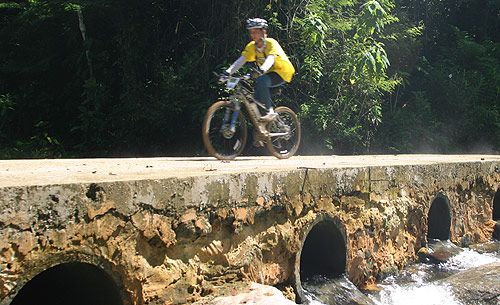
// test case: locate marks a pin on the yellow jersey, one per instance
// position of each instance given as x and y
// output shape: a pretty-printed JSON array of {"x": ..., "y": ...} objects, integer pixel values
[{"x": 282, "y": 64}]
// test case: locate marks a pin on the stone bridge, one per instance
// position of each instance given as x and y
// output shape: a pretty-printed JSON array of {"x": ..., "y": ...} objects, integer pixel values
[{"x": 177, "y": 231}]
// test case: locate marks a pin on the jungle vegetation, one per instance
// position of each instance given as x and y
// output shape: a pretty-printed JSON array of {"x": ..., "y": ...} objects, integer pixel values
[{"x": 108, "y": 78}]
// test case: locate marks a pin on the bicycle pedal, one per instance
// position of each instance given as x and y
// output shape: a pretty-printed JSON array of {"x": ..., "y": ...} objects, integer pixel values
[{"x": 258, "y": 144}]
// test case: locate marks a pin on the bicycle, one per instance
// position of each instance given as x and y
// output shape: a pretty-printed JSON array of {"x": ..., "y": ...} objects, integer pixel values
[{"x": 225, "y": 129}]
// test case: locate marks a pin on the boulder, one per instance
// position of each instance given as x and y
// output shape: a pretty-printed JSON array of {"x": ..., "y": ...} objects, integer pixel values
[
  {"x": 489, "y": 247},
  {"x": 257, "y": 294},
  {"x": 479, "y": 285},
  {"x": 438, "y": 251}
]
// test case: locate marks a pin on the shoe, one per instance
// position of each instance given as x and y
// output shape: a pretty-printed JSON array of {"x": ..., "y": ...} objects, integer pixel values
[{"x": 271, "y": 115}]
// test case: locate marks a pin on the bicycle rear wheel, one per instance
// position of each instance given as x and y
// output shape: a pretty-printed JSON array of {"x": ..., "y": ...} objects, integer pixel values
[
  {"x": 284, "y": 134},
  {"x": 220, "y": 141}
]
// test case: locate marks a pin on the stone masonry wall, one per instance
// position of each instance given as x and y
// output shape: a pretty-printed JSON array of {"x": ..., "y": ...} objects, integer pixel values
[{"x": 177, "y": 241}]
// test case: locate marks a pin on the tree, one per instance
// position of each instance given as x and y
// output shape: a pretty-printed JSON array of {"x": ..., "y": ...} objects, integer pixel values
[{"x": 134, "y": 78}]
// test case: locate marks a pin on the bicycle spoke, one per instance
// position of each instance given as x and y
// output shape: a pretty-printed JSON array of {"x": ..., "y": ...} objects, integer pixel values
[
  {"x": 221, "y": 141},
  {"x": 287, "y": 134}
]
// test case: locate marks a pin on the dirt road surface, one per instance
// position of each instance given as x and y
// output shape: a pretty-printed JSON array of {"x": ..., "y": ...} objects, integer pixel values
[{"x": 66, "y": 171}]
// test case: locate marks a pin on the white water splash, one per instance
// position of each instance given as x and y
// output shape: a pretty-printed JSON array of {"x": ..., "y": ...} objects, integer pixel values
[
  {"x": 468, "y": 259},
  {"x": 418, "y": 285},
  {"x": 418, "y": 291},
  {"x": 312, "y": 301},
  {"x": 429, "y": 294}
]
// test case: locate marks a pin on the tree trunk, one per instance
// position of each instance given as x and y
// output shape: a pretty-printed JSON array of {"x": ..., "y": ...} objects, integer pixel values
[{"x": 83, "y": 30}]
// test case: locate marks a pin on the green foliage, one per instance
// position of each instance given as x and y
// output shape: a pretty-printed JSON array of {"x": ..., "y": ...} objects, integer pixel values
[
  {"x": 469, "y": 78},
  {"x": 374, "y": 16},
  {"x": 6, "y": 104},
  {"x": 412, "y": 128},
  {"x": 91, "y": 124},
  {"x": 313, "y": 33},
  {"x": 344, "y": 70},
  {"x": 454, "y": 86},
  {"x": 380, "y": 75}
]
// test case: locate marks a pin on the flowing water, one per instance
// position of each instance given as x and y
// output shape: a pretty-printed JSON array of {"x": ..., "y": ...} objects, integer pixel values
[{"x": 417, "y": 284}]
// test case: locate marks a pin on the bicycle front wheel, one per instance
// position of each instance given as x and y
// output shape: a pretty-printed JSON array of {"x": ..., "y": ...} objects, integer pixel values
[
  {"x": 284, "y": 134},
  {"x": 220, "y": 140}
]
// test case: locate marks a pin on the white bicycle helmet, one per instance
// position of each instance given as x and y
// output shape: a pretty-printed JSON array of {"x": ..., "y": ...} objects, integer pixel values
[{"x": 256, "y": 23}]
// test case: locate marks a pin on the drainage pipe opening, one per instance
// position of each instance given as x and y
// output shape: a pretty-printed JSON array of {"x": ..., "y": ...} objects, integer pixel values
[
  {"x": 439, "y": 218},
  {"x": 496, "y": 215},
  {"x": 496, "y": 206},
  {"x": 70, "y": 283},
  {"x": 323, "y": 252}
]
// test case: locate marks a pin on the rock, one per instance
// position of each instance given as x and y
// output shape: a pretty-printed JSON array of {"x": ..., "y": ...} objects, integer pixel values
[
  {"x": 103, "y": 209},
  {"x": 104, "y": 227},
  {"x": 241, "y": 214},
  {"x": 296, "y": 206},
  {"x": 489, "y": 247},
  {"x": 479, "y": 286},
  {"x": 423, "y": 254},
  {"x": 466, "y": 240},
  {"x": 203, "y": 226},
  {"x": 438, "y": 252},
  {"x": 325, "y": 204},
  {"x": 257, "y": 294},
  {"x": 261, "y": 201},
  {"x": 20, "y": 219},
  {"x": 188, "y": 216},
  {"x": 213, "y": 252},
  {"x": 25, "y": 242},
  {"x": 154, "y": 225},
  {"x": 289, "y": 293}
]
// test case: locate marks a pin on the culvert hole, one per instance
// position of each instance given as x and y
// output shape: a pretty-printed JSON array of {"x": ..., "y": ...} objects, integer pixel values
[
  {"x": 323, "y": 252},
  {"x": 496, "y": 206},
  {"x": 70, "y": 283},
  {"x": 496, "y": 215},
  {"x": 439, "y": 218}
]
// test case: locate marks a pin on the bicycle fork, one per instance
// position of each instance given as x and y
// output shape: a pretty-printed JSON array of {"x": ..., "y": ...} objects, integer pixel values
[{"x": 231, "y": 118}]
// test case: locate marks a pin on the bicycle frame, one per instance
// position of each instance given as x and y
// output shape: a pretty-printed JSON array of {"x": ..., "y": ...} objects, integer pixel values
[
  {"x": 225, "y": 130},
  {"x": 244, "y": 93}
]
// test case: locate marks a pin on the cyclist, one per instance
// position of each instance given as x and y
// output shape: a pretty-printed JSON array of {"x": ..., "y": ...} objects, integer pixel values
[{"x": 270, "y": 59}]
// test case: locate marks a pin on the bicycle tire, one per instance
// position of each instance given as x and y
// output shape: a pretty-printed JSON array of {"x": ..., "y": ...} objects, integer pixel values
[
  {"x": 216, "y": 144},
  {"x": 280, "y": 147}
]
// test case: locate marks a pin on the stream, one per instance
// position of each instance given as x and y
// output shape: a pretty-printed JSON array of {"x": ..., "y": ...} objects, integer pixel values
[{"x": 419, "y": 283}]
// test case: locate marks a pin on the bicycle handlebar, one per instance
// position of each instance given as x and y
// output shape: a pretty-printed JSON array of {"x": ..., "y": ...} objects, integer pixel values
[{"x": 224, "y": 77}]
